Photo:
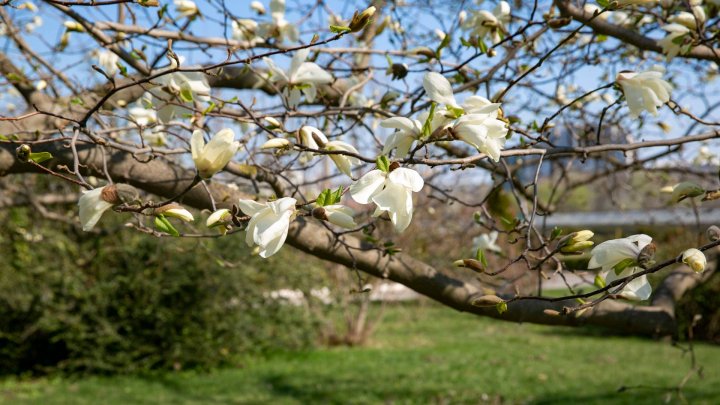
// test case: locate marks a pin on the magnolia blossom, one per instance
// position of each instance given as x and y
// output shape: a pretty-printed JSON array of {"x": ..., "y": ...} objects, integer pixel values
[
  {"x": 695, "y": 259},
  {"x": 186, "y": 8},
  {"x": 344, "y": 163},
  {"x": 269, "y": 223},
  {"x": 439, "y": 89},
  {"x": 482, "y": 130},
  {"x": 672, "y": 45},
  {"x": 212, "y": 157},
  {"x": 257, "y": 7},
  {"x": 301, "y": 78},
  {"x": 644, "y": 91},
  {"x": 391, "y": 192},
  {"x": 93, "y": 204},
  {"x": 408, "y": 131},
  {"x": 487, "y": 241},
  {"x": 313, "y": 138},
  {"x": 686, "y": 19},
  {"x": 610, "y": 253},
  {"x": 141, "y": 115},
  {"x": 484, "y": 23},
  {"x": 108, "y": 61},
  {"x": 280, "y": 28},
  {"x": 336, "y": 214},
  {"x": 246, "y": 30},
  {"x": 178, "y": 90}
]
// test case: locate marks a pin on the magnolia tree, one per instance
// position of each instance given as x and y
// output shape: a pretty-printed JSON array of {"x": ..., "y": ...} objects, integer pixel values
[{"x": 321, "y": 124}]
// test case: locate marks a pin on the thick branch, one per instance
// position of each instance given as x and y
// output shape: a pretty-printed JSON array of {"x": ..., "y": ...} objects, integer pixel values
[
  {"x": 628, "y": 36},
  {"x": 454, "y": 287}
]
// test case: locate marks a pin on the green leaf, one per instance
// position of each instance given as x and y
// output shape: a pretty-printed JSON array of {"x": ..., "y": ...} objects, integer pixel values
[
  {"x": 186, "y": 94},
  {"x": 162, "y": 224},
  {"x": 337, "y": 195},
  {"x": 603, "y": 3},
  {"x": 383, "y": 163},
  {"x": 428, "y": 122},
  {"x": 40, "y": 157},
  {"x": 14, "y": 77},
  {"x": 599, "y": 281},
  {"x": 501, "y": 307},
  {"x": 209, "y": 109},
  {"x": 480, "y": 256},
  {"x": 322, "y": 199},
  {"x": 481, "y": 45},
  {"x": 337, "y": 29},
  {"x": 77, "y": 101},
  {"x": 555, "y": 233},
  {"x": 122, "y": 68},
  {"x": 624, "y": 264}
]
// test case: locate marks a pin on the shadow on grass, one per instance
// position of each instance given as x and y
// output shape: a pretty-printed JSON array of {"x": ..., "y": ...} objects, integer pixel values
[{"x": 638, "y": 396}]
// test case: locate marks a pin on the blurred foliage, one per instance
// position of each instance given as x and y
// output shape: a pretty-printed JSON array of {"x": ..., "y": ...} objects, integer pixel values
[
  {"x": 705, "y": 302},
  {"x": 123, "y": 301}
]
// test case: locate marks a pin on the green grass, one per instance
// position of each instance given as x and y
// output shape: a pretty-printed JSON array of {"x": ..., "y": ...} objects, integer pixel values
[{"x": 420, "y": 354}]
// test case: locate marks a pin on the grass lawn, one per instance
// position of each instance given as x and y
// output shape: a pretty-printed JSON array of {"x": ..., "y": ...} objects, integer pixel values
[{"x": 421, "y": 353}]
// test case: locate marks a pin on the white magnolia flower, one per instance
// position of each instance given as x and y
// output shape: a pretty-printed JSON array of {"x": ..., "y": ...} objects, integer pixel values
[
  {"x": 301, "y": 78},
  {"x": 439, "y": 89},
  {"x": 177, "y": 91},
  {"x": 41, "y": 85},
  {"x": 487, "y": 241},
  {"x": 211, "y": 158},
  {"x": 93, "y": 204},
  {"x": 484, "y": 23},
  {"x": 108, "y": 61},
  {"x": 269, "y": 223},
  {"x": 36, "y": 23},
  {"x": 257, "y": 7},
  {"x": 313, "y": 138},
  {"x": 141, "y": 115},
  {"x": 391, "y": 192},
  {"x": 408, "y": 131},
  {"x": 695, "y": 259},
  {"x": 644, "y": 91},
  {"x": 610, "y": 253},
  {"x": 670, "y": 45},
  {"x": 336, "y": 214},
  {"x": 74, "y": 26},
  {"x": 278, "y": 143},
  {"x": 186, "y": 8},
  {"x": 246, "y": 30},
  {"x": 154, "y": 136},
  {"x": 279, "y": 28},
  {"x": 686, "y": 19},
  {"x": 481, "y": 128},
  {"x": 344, "y": 163},
  {"x": 592, "y": 9}
]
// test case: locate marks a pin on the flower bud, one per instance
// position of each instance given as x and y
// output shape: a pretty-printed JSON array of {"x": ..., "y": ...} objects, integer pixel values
[
  {"x": 713, "y": 233},
  {"x": 576, "y": 241},
  {"x": 557, "y": 23},
  {"x": 471, "y": 264},
  {"x": 276, "y": 143},
  {"x": 23, "y": 152},
  {"x": 487, "y": 301},
  {"x": 176, "y": 211},
  {"x": 219, "y": 217},
  {"x": 685, "y": 190},
  {"x": 257, "y": 7},
  {"x": 319, "y": 213},
  {"x": 695, "y": 259},
  {"x": 359, "y": 21},
  {"x": 74, "y": 26}
]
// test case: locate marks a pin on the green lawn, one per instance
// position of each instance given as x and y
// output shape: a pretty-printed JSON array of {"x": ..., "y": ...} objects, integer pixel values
[{"x": 420, "y": 354}]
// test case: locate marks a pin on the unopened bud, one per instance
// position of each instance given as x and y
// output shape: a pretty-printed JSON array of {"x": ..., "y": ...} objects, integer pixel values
[
  {"x": 685, "y": 190},
  {"x": 472, "y": 264},
  {"x": 713, "y": 233},
  {"x": 23, "y": 152},
  {"x": 646, "y": 257},
  {"x": 487, "y": 301},
  {"x": 176, "y": 211},
  {"x": 551, "y": 312},
  {"x": 359, "y": 21},
  {"x": 276, "y": 143},
  {"x": 394, "y": 165},
  {"x": 320, "y": 213},
  {"x": 556, "y": 23},
  {"x": 119, "y": 194},
  {"x": 74, "y": 26}
]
